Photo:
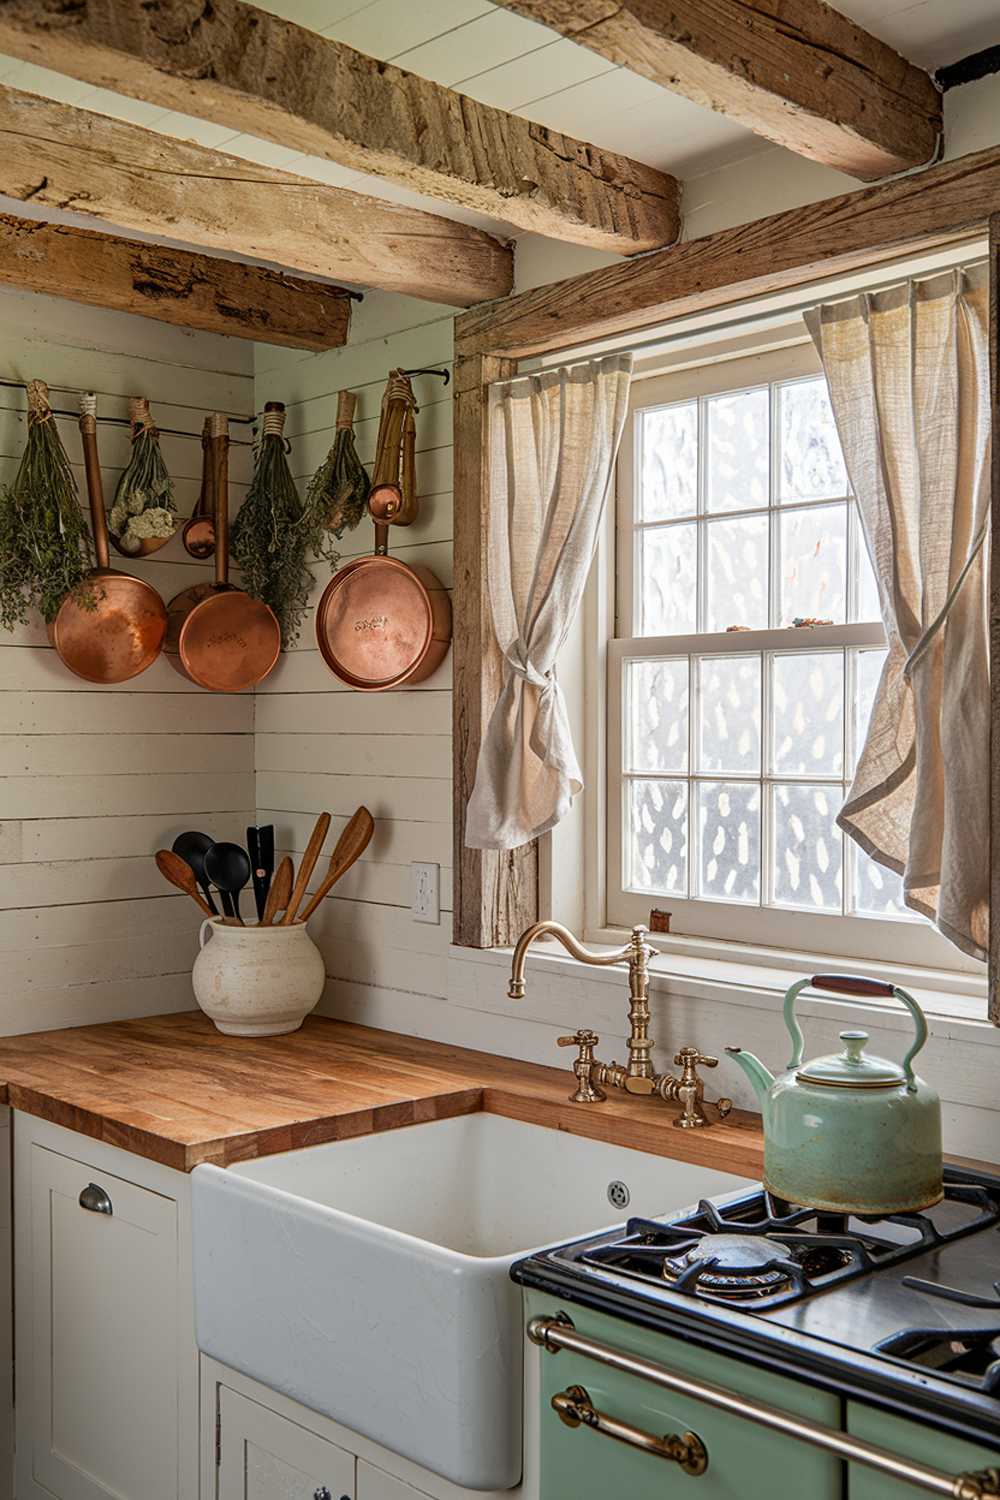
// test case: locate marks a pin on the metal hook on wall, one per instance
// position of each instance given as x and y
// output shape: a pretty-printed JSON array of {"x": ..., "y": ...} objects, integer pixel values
[{"x": 444, "y": 375}]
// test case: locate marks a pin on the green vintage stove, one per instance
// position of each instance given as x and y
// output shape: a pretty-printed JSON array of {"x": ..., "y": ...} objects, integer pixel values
[{"x": 746, "y": 1349}]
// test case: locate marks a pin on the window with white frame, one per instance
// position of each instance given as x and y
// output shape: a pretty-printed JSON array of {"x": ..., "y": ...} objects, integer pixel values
[{"x": 747, "y": 653}]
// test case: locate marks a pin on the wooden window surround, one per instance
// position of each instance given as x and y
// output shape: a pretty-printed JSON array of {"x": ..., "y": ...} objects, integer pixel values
[{"x": 496, "y": 894}]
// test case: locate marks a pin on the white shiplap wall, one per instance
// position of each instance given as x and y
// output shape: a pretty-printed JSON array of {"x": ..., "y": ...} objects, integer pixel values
[
  {"x": 93, "y": 780},
  {"x": 319, "y": 745}
]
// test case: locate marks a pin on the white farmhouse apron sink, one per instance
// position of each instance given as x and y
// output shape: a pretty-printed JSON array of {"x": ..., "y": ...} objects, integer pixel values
[{"x": 369, "y": 1278}]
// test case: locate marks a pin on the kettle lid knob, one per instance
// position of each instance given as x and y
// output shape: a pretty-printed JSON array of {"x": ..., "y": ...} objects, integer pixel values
[{"x": 854, "y": 1045}]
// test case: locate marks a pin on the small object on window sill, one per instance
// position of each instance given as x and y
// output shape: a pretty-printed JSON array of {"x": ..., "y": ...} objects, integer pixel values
[
  {"x": 807, "y": 622},
  {"x": 659, "y": 920},
  {"x": 733, "y": 629}
]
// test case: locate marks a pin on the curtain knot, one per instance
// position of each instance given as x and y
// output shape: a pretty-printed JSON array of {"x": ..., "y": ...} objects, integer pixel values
[{"x": 521, "y": 665}]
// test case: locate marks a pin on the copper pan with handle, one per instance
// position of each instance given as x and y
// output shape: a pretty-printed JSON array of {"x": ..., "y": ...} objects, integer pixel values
[
  {"x": 381, "y": 622},
  {"x": 217, "y": 636},
  {"x": 123, "y": 631}
]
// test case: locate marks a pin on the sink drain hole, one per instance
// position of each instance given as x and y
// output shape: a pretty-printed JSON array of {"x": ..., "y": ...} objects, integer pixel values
[{"x": 618, "y": 1194}]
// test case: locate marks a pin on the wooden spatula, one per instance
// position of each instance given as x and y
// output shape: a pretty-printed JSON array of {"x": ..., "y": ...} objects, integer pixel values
[
  {"x": 180, "y": 874},
  {"x": 306, "y": 868},
  {"x": 350, "y": 846},
  {"x": 278, "y": 892}
]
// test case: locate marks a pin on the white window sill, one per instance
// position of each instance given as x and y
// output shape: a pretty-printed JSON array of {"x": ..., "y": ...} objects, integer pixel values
[{"x": 954, "y": 1003}]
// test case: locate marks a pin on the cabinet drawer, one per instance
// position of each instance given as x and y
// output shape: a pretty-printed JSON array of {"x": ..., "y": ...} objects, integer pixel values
[
  {"x": 267, "y": 1457},
  {"x": 102, "y": 1318},
  {"x": 912, "y": 1440}
]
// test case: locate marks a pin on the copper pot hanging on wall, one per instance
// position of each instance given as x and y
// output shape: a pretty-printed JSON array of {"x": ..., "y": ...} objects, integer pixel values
[
  {"x": 123, "y": 632},
  {"x": 217, "y": 635},
  {"x": 382, "y": 622}
]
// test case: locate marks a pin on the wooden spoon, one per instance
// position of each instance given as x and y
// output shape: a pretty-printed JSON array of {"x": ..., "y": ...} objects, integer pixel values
[
  {"x": 306, "y": 868},
  {"x": 350, "y": 846},
  {"x": 180, "y": 874},
  {"x": 278, "y": 893}
]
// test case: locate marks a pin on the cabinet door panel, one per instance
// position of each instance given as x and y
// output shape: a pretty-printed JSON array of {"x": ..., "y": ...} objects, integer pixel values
[
  {"x": 266, "y": 1457},
  {"x": 376, "y": 1484},
  {"x": 104, "y": 1335}
]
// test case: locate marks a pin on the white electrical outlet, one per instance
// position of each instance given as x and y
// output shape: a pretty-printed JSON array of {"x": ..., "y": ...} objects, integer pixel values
[{"x": 425, "y": 892}]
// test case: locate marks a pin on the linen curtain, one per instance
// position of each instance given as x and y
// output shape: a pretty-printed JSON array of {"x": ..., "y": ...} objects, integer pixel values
[
  {"x": 908, "y": 372},
  {"x": 554, "y": 438}
]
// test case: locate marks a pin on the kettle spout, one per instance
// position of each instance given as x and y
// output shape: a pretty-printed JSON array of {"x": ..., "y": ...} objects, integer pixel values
[{"x": 761, "y": 1078}]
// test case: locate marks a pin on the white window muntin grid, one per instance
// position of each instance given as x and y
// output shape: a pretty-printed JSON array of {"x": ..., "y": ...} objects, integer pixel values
[
  {"x": 847, "y": 642},
  {"x": 702, "y": 518}
]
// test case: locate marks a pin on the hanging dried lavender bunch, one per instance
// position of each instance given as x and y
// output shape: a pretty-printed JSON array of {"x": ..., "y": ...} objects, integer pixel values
[
  {"x": 143, "y": 511},
  {"x": 275, "y": 535},
  {"x": 45, "y": 547},
  {"x": 340, "y": 487}
]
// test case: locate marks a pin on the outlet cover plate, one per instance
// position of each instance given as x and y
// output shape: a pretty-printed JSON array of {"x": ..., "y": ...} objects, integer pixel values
[{"x": 425, "y": 893}]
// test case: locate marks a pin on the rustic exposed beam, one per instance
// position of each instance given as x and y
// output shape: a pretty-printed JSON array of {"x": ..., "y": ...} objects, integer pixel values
[
  {"x": 239, "y": 66},
  {"x": 172, "y": 286},
  {"x": 59, "y": 156},
  {"x": 786, "y": 250},
  {"x": 799, "y": 72},
  {"x": 496, "y": 891}
]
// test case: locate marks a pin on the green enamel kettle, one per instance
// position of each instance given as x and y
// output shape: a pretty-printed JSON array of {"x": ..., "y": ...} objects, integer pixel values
[{"x": 849, "y": 1133}]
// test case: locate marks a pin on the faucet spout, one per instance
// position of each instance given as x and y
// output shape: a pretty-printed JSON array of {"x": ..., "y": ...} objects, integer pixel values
[{"x": 573, "y": 947}]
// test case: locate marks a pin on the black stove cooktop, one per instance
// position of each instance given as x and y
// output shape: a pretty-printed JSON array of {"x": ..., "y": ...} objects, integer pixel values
[{"x": 904, "y": 1309}]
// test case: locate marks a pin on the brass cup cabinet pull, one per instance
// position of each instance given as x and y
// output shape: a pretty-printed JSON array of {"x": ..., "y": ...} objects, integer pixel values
[
  {"x": 574, "y": 1407},
  {"x": 95, "y": 1200}
]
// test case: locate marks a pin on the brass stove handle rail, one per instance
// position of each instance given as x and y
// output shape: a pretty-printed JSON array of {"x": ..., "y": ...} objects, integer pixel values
[
  {"x": 574, "y": 1407},
  {"x": 555, "y": 1333}
]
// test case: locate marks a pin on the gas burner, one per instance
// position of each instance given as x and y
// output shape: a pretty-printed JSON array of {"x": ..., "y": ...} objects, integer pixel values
[{"x": 732, "y": 1265}]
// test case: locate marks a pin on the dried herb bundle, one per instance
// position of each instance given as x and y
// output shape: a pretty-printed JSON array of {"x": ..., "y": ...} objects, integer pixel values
[
  {"x": 275, "y": 534},
  {"x": 143, "y": 508},
  {"x": 340, "y": 487},
  {"x": 45, "y": 548}
]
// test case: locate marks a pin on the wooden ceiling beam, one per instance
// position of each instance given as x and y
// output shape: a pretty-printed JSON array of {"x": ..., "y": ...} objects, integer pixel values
[
  {"x": 62, "y": 157},
  {"x": 239, "y": 66},
  {"x": 172, "y": 286},
  {"x": 848, "y": 233},
  {"x": 797, "y": 72}
]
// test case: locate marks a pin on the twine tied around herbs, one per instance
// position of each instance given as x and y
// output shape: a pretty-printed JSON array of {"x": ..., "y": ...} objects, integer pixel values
[{"x": 39, "y": 408}]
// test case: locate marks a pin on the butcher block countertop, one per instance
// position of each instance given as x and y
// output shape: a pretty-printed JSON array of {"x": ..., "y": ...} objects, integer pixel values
[{"x": 173, "y": 1089}]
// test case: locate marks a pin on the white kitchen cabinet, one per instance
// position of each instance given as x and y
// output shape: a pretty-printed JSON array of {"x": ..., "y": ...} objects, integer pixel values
[
  {"x": 263, "y": 1456},
  {"x": 376, "y": 1484},
  {"x": 106, "y": 1365}
]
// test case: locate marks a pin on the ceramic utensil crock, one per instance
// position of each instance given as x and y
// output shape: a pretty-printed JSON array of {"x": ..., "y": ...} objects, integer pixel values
[
  {"x": 257, "y": 981},
  {"x": 849, "y": 1133}
]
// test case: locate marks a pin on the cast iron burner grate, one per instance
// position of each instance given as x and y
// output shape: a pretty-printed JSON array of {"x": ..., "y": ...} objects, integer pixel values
[
  {"x": 761, "y": 1252},
  {"x": 971, "y": 1356}
]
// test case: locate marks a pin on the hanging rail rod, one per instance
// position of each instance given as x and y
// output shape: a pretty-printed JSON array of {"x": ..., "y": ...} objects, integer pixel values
[
  {"x": 444, "y": 375},
  {"x": 72, "y": 390}
]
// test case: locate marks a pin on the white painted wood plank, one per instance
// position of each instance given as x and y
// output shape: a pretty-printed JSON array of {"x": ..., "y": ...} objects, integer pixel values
[
  {"x": 395, "y": 841},
  {"x": 358, "y": 365},
  {"x": 79, "y": 881},
  {"x": 369, "y": 882},
  {"x": 167, "y": 792},
  {"x": 398, "y": 755},
  {"x": 114, "y": 755},
  {"x": 96, "y": 922},
  {"x": 89, "y": 1004},
  {"x": 386, "y": 28},
  {"x": 367, "y": 713},
  {"x": 414, "y": 799},
  {"x": 44, "y": 840},
  {"x": 498, "y": 37},
  {"x": 118, "y": 712}
]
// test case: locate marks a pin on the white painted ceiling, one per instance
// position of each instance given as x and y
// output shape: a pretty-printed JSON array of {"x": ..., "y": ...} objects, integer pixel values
[{"x": 517, "y": 65}]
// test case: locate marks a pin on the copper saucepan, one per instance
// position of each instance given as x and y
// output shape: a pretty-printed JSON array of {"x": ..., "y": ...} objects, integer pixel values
[
  {"x": 123, "y": 634},
  {"x": 217, "y": 635},
  {"x": 382, "y": 622}
]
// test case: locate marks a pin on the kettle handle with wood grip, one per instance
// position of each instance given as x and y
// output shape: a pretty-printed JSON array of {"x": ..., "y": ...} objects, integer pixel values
[{"x": 868, "y": 989}]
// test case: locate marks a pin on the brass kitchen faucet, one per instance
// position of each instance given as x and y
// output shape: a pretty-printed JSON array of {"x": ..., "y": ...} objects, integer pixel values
[{"x": 638, "y": 1075}]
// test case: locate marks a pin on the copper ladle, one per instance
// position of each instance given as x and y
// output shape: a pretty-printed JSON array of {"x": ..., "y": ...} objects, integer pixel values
[
  {"x": 124, "y": 633},
  {"x": 198, "y": 533}
]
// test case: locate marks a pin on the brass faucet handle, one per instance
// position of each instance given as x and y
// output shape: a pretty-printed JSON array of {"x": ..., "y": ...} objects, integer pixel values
[
  {"x": 586, "y": 1091},
  {"x": 689, "y": 1058},
  {"x": 585, "y": 1040}
]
